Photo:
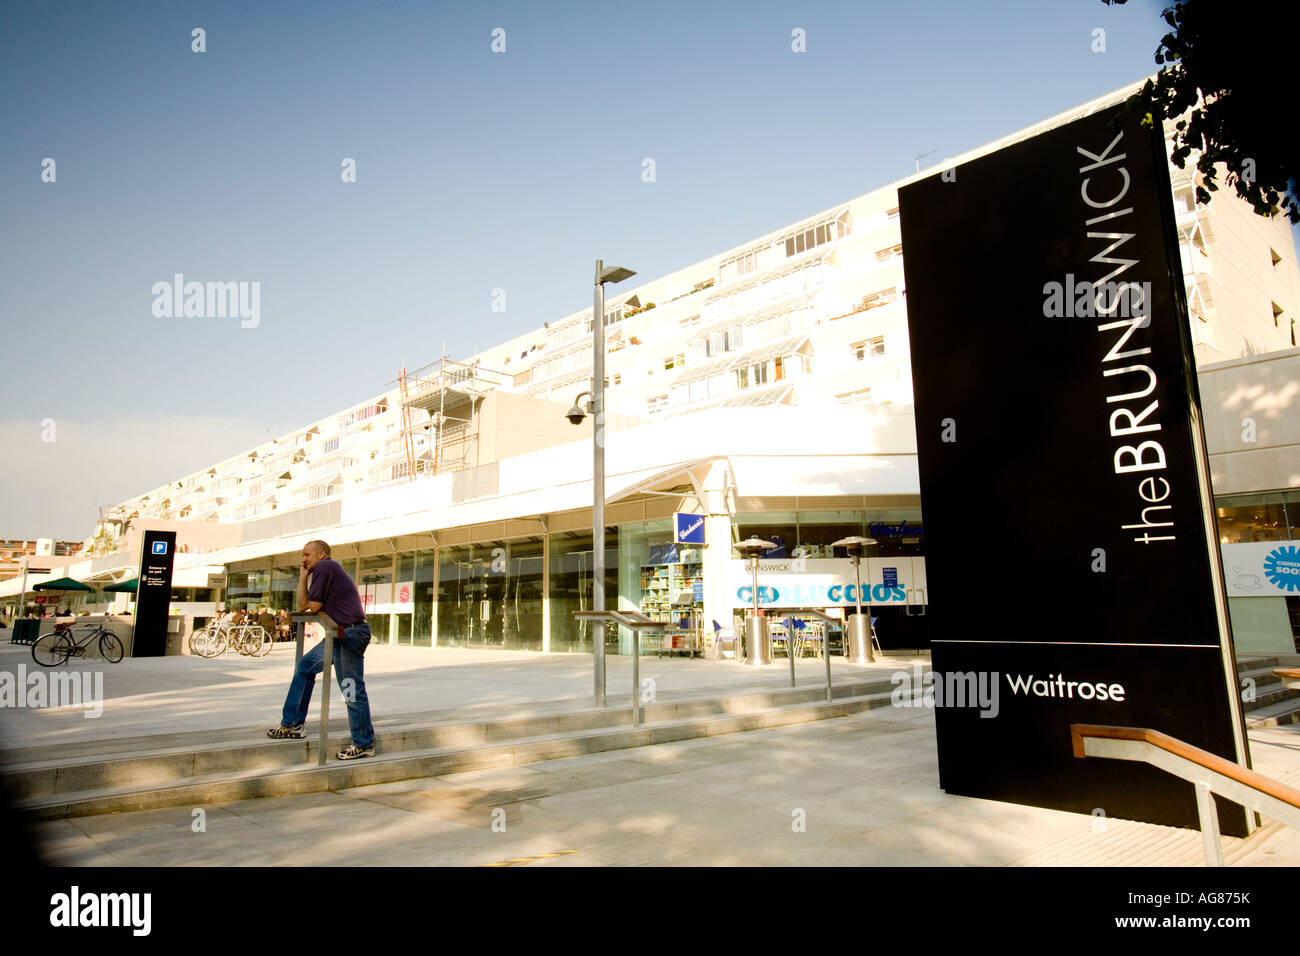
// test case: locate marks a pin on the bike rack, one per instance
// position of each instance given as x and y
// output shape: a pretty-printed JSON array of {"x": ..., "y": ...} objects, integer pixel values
[
  {"x": 635, "y": 622},
  {"x": 300, "y": 622}
]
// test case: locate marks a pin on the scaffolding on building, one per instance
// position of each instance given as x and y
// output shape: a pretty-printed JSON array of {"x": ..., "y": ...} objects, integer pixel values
[{"x": 450, "y": 393}]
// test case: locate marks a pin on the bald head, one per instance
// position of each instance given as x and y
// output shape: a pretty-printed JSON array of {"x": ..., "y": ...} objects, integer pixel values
[{"x": 313, "y": 552}]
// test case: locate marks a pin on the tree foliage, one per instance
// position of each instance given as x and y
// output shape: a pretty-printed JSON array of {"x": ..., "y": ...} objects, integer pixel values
[{"x": 1221, "y": 79}]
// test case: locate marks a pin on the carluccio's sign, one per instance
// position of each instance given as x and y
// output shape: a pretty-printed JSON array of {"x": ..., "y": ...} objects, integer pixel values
[{"x": 1054, "y": 380}]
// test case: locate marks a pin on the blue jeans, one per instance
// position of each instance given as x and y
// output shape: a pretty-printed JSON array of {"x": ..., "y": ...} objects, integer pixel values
[{"x": 349, "y": 659}]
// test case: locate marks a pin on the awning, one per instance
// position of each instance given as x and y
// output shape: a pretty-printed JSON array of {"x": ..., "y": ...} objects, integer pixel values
[
  {"x": 743, "y": 398},
  {"x": 127, "y": 586},
  {"x": 652, "y": 479},
  {"x": 61, "y": 584}
]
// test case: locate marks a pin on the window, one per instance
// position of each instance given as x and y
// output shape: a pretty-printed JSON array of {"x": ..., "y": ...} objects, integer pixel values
[
  {"x": 674, "y": 361},
  {"x": 657, "y": 404},
  {"x": 891, "y": 213},
  {"x": 1277, "y": 313},
  {"x": 618, "y": 378},
  {"x": 1275, "y": 258},
  {"x": 884, "y": 255},
  {"x": 868, "y": 348},
  {"x": 814, "y": 236},
  {"x": 688, "y": 322},
  {"x": 854, "y": 399},
  {"x": 1253, "y": 517}
]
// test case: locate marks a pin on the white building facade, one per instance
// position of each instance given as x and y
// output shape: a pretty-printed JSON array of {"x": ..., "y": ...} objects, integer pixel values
[{"x": 766, "y": 389}]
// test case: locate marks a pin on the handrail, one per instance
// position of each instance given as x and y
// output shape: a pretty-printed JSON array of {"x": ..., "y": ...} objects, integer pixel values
[
  {"x": 826, "y": 649},
  {"x": 635, "y": 622},
  {"x": 1209, "y": 772},
  {"x": 300, "y": 620}
]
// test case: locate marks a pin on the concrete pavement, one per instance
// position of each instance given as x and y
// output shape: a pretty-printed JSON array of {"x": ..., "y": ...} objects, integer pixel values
[{"x": 858, "y": 790}]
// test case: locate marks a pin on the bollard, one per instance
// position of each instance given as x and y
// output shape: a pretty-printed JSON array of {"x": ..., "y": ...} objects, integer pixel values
[
  {"x": 325, "y": 698},
  {"x": 859, "y": 636},
  {"x": 636, "y": 677},
  {"x": 758, "y": 648},
  {"x": 789, "y": 646}
]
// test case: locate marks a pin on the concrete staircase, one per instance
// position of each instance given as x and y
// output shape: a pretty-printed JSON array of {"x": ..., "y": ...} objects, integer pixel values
[
  {"x": 1274, "y": 702},
  {"x": 171, "y": 770}
]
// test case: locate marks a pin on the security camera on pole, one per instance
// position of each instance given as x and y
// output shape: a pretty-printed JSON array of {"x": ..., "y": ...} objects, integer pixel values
[
  {"x": 576, "y": 415},
  {"x": 859, "y": 650},
  {"x": 758, "y": 649}
]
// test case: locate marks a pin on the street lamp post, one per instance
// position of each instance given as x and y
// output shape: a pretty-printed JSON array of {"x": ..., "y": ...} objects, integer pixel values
[
  {"x": 22, "y": 598},
  {"x": 576, "y": 415}
]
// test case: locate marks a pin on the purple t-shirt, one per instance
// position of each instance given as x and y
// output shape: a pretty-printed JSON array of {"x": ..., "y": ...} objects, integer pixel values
[{"x": 331, "y": 586}]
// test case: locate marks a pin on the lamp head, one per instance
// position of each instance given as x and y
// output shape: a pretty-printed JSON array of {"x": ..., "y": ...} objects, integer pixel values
[
  {"x": 753, "y": 547},
  {"x": 855, "y": 545}
]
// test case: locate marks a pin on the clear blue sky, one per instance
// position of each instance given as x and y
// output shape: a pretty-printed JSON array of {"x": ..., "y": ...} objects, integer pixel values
[{"x": 475, "y": 171}]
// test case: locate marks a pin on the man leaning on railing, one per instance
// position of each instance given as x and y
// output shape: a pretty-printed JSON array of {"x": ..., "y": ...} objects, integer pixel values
[{"x": 333, "y": 597}]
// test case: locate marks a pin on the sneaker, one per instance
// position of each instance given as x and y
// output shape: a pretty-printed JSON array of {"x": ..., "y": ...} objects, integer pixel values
[
  {"x": 353, "y": 752},
  {"x": 287, "y": 733}
]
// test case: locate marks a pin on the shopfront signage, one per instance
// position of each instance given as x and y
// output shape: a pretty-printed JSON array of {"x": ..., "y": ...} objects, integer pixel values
[
  {"x": 878, "y": 529},
  {"x": 153, "y": 595},
  {"x": 1084, "y": 421},
  {"x": 688, "y": 529},
  {"x": 1262, "y": 568},
  {"x": 822, "y": 583}
]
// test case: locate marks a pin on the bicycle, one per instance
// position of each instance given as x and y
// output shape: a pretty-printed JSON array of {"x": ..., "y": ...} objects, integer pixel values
[
  {"x": 214, "y": 639},
  {"x": 62, "y": 643}
]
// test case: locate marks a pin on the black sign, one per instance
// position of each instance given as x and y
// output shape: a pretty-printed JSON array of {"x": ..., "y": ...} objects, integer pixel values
[
  {"x": 1055, "y": 381},
  {"x": 153, "y": 596}
]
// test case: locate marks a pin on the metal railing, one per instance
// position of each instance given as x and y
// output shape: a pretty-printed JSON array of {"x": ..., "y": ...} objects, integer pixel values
[
  {"x": 635, "y": 622},
  {"x": 1209, "y": 773},
  {"x": 300, "y": 622},
  {"x": 828, "y": 622}
]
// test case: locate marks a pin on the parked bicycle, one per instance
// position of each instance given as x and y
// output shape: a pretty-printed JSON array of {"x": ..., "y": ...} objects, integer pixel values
[
  {"x": 63, "y": 642},
  {"x": 214, "y": 639}
]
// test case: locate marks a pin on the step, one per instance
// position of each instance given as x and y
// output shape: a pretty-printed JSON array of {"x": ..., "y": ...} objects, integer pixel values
[
  {"x": 1274, "y": 714},
  {"x": 142, "y": 765},
  {"x": 431, "y": 762}
]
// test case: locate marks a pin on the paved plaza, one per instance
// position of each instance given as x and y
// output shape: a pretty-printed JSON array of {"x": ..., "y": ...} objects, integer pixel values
[
  {"x": 855, "y": 790},
  {"x": 188, "y": 695}
]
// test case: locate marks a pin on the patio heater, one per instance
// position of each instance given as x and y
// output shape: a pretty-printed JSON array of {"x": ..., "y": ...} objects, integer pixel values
[
  {"x": 758, "y": 649},
  {"x": 859, "y": 650}
]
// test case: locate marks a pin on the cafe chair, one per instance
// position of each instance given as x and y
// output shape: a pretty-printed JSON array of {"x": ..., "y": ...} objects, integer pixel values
[{"x": 725, "y": 635}]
